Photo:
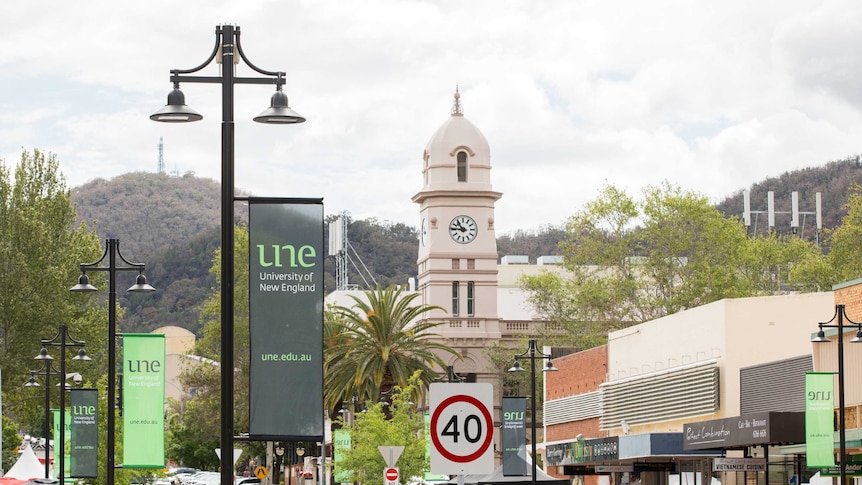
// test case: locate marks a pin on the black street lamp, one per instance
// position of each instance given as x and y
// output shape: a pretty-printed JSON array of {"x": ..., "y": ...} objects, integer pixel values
[
  {"x": 532, "y": 354},
  {"x": 62, "y": 340},
  {"x": 227, "y": 46},
  {"x": 112, "y": 253},
  {"x": 839, "y": 317}
]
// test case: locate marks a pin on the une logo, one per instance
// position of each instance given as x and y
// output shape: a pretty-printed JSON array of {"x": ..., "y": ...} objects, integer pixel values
[
  {"x": 83, "y": 410},
  {"x": 143, "y": 365},
  {"x": 296, "y": 257}
]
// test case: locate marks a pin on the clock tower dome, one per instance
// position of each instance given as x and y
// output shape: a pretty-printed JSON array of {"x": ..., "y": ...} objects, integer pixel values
[{"x": 457, "y": 263}]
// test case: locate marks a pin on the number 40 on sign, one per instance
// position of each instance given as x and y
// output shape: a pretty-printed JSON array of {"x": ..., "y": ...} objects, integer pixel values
[{"x": 462, "y": 429}]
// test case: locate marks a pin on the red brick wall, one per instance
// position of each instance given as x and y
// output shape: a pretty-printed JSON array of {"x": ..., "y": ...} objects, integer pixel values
[
  {"x": 850, "y": 297},
  {"x": 579, "y": 373}
]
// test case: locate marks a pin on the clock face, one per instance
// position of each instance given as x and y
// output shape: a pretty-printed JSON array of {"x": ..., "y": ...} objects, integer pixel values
[
  {"x": 463, "y": 229},
  {"x": 423, "y": 232}
]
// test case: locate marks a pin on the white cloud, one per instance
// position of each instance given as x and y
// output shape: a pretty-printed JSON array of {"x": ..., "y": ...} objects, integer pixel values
[{"x": 570, "y": 95}]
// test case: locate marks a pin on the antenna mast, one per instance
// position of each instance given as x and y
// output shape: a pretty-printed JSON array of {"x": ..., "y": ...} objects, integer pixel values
[{"x": 161, "y": 156}]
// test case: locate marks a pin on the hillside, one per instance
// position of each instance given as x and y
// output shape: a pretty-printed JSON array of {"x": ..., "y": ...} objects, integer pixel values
[{"x": 172, "y": 225}]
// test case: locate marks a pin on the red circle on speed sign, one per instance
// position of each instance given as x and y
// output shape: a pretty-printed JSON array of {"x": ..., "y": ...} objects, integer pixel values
[
  {"x": 489, "y": 425},
  {"x": 391, "y": 474}
]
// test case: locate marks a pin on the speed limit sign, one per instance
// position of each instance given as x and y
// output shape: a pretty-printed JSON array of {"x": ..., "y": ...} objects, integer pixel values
[{"x": 462, "y": 429}]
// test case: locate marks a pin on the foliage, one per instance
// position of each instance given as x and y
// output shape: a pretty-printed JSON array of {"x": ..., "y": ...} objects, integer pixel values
[
  {"x": 380, "y": 345},
  {"x": 194, "y": 433},
  {"x": 40, "y": 253},
  {"x": 387, "y": 424},
  {"x": 845, "y": 258},
  {"x": 632, "y": 261},
  {"x": 11, "y": 441}
]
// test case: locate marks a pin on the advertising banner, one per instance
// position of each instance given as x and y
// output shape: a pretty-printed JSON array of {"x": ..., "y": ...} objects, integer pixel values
[
  {"x": 286, "y": 319},
  {"x": 514, "y": 436},
  {"x": 819, "y": 415},
  {"x": 340, "y": 444},
  {"x": 143, "y": 400},
  {"x": 56, "y": 427},
  {"x": 84, "y": 452}
]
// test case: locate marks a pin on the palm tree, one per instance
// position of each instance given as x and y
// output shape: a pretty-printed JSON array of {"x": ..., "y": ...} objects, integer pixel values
[{"x": 376, "y": 344}]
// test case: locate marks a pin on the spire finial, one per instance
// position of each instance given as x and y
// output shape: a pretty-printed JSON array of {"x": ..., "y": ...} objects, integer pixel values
[{"x": 456, "y": 106}]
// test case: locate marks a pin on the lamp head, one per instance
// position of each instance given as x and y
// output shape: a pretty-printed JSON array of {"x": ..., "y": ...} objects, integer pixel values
[
  {"x": 32, "y": 382},
  {"x": 83, "y": 285},
  {"x": 43, "y": 355},
  {"x": 858, "y": 338},
  {"x": 821, "y": 337},
  {"x": 516, "y": 367},
  {"x": 141, "y": 285},
  {"x": 549, "y": 367},
  {"x": 279, "y": 112},
  {"x": 82, "y": 355},
  {"x": 176, "y": 110},
  {"x": 300, "y": 451}
]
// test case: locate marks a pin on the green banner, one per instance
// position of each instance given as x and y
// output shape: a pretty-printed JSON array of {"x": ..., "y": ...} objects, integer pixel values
[
  {"x": 286, "y": 319},
  {"x": 143, "y": 400},
  {"x": 66, "y": 438},
  {"x": 341, "y": 442},
  {"x": 84, "y": 449},
  {"x": 819, "y": 417}
]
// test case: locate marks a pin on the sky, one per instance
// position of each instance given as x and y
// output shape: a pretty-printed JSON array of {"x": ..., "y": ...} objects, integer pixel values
[{"x": 571, "y": 95}]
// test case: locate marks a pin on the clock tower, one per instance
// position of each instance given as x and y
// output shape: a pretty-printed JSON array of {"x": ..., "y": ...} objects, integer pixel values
[{"x": 457, "y": 263}]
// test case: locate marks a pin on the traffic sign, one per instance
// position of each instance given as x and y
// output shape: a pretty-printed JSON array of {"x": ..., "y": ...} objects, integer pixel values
[
  {"x": 462, "y": 429},
  {"x": 391, "y": 475},
  {"x": 260, "y": 472}
]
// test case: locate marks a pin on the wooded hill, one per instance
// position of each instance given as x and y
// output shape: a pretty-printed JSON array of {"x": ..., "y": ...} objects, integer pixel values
[{"x": 172, "y": 225}]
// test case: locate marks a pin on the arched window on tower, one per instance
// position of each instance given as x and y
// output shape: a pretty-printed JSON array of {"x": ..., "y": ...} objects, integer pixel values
[{"x": 462, "y": 166}]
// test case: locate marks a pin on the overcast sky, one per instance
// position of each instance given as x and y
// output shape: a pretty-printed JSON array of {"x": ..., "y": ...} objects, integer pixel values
[{"x": 571, "y": 95}]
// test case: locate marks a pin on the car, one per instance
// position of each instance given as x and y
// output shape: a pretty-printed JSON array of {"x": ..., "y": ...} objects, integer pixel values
[{"x": 247, "y": 481}]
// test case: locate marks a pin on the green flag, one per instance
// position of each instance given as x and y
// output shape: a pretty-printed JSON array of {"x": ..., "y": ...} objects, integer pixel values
[
  {"x": 67, "y": 438},
  {"x": 819, "y": 413},
  {"x": 143, "y": 400}
]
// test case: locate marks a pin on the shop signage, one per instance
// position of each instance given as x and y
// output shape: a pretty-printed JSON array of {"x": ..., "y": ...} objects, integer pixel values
[
  {"x": 654, "y": 467},
  {"x": 853, "y": 468},
  {"x": 746, "y": 430},
  {"x": 739, "y": 465},
  {"x": 584, "y": 451},
  {"x": 613, "y": 468}
]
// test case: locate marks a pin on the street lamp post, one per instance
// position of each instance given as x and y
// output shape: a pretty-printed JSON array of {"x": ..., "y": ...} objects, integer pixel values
[
  {"x": 839, "y": 318},
  {"x": 112, "y": 253},
  {"x": 62, "y": 340},
  {"x": 532, "y": 354},
  {"x": 227, "y": 43}
]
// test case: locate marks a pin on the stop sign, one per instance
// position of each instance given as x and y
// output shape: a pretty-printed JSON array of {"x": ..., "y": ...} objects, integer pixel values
[{"x": 391, "y": 474}]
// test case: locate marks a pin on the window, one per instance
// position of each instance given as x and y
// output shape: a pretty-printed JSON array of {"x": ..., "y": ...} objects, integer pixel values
[
  {"x": 462, "y": 166},
  {"x": 456, "y": 263},
  {"x": 471, "y": 310},
  {"x": 455, "y": 298},
  {"x": 471, "y": 264}
]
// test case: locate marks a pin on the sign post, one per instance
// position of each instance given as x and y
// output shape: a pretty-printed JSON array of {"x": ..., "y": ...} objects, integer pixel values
[{"x": 462, "y": 429}]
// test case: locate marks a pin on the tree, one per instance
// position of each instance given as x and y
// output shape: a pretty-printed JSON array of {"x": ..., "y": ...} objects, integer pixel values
[
  {"x": 40, "y": 253},
  {"x": 194, "y": 434},
  {"x": 845, "y": 257},
  {"x": 395, "y": 423},
  {"x": 630, "y": 261},
  {"x": 380, "y": 345}
]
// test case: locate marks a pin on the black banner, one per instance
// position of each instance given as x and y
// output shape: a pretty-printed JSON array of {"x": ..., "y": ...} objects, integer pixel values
[
  {"x": 514, "y": 436},
  {"x": 84, "y": 453},
  {"x": 286, "y": 319}
]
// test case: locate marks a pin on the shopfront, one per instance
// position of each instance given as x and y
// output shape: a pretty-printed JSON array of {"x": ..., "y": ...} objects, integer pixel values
[
  {"x": 638, "y": 459},
  {"x": 751, "y": 443}
]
